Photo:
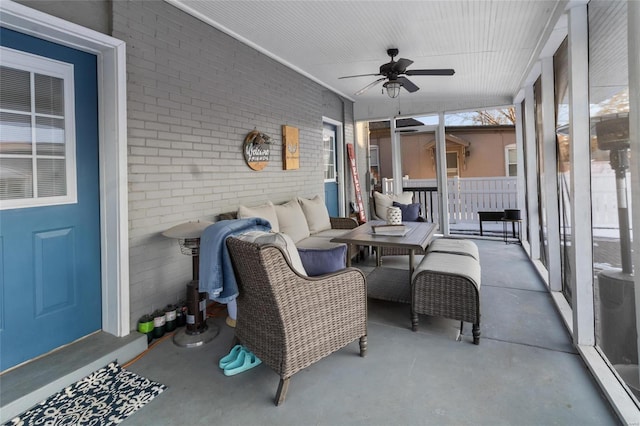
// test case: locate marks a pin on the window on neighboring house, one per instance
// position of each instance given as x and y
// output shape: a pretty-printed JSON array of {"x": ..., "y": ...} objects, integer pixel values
[
  {"x": 37, "y": 146},
  {"x": 452, "y": 164},
  {"x": 511, "y": 162}
]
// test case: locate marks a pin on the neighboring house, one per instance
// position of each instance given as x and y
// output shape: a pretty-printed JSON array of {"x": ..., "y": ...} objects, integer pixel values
[{"x": 472, "y": 151}]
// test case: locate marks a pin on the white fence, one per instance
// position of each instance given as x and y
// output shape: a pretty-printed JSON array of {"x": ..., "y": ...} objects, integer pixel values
[
  {"x": 468, "y": 196},
  {"x": 604, "y": 204}
]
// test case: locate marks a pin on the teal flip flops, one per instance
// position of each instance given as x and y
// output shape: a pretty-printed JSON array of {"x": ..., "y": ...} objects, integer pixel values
[
  {"x": 238, "y": 360},
  {"x": 231, "y": 356}
]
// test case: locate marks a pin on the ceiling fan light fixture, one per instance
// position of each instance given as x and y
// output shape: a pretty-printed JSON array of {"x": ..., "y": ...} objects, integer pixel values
[{"x": 393, "y": 88}]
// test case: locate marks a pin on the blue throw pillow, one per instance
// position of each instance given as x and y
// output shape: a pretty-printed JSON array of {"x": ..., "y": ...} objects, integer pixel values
[
  {"x": 410, "y": 212},
  {"x": 323, "y": 261}
]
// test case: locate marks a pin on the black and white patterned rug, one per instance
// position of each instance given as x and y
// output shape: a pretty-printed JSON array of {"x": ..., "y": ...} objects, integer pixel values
[{"x": 105, "y": 397}]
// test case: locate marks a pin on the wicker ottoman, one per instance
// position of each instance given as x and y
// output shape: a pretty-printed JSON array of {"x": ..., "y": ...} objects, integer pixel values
[{"x": 447, "y": 285}]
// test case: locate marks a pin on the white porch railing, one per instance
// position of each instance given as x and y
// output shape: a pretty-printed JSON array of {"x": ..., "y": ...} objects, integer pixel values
[{"x": 468, "y": 196}]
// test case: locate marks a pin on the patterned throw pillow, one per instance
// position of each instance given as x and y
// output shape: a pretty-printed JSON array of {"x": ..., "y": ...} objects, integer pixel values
[
  {"x": 410, "y": 212},
  {"x": 382, "y": 202}
]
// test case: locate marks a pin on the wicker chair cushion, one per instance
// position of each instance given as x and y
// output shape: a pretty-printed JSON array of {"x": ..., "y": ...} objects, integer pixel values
[
  {"x": 382, "y": 202},
  {"x": 265, "y": 211},
  {"x": 277, "y": 239},
  {"x": 320, "y": 262},
  {"x": 410, "y": 212},
  {"x": 455, "y": 246},
  {"x": 450, "y": 264},
  {"x": 316, "y": 214},
  {"x": 292, "y": 221}
]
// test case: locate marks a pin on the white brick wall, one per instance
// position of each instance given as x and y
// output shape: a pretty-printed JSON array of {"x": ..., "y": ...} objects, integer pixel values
[{"x": 193, "y": 95}]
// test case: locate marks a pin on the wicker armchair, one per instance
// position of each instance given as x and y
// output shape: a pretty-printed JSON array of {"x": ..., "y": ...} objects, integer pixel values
[{"x": 291, "y": 321}]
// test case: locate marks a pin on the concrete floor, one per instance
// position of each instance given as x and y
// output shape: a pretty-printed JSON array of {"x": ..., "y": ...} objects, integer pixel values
[{"x": 524, "y": 372}]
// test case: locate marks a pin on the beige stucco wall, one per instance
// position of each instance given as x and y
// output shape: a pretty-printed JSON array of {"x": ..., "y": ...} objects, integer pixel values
[{"x": 486, "y": 152}]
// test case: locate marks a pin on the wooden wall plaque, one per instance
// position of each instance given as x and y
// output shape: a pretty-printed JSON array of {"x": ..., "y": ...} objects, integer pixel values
[
  {"x": 256, "y": 150},
  {"x": 290, "y": 148}
]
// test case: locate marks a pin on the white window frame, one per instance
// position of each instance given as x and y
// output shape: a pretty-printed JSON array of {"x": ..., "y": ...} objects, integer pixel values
[
  {"x": 374, "y": 161},
  {"x": 456, "y": 170},
  {"x": 340, "y": 162},
  {"x": 374, "y": 155},
  {"x": 45, "y": 66},
  {"x": 508, "y": 148},
  {"x": 333, "y": 153}
]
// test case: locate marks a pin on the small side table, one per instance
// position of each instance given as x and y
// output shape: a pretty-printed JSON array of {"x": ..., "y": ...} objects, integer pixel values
[{"x": 505, "y": 230}]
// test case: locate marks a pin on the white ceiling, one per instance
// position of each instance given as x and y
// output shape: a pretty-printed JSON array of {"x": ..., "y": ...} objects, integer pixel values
[{"x": 491, "y": 44}]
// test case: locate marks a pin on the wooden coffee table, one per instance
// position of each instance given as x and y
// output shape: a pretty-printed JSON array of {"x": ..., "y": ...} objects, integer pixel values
[{"x": 418, "y": 238}]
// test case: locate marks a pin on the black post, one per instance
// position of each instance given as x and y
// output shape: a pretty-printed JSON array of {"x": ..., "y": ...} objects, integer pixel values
[{"x": 619, "y": 160}]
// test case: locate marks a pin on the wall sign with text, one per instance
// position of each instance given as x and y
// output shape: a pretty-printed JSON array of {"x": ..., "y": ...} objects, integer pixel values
[{"x": 256, "y": 150}]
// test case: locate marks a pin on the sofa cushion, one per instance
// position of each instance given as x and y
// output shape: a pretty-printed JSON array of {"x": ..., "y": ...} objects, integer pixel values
[
  {"x": 410, "y": 212},
  {"x": 291, "y": 220},
  {"x": 265, "y": 211},
  {"x": 382, "y": 202},
  {"x": 277, "y": 239},
  {"x": 323, "y": 261},
  {"x": 316, "y": 214}
]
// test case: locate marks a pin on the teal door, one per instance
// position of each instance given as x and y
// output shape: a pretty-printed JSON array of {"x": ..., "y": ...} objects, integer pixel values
[
  {"x": 330, "y": 170},
  {"x": 49, "y": 197}
]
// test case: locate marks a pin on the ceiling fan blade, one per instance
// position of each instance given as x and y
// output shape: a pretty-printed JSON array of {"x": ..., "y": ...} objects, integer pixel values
[
  {"x": 359, "y": 75},
  {"x": 400, "y": 66},
  {"x": 448, "y": 71},
  {"x": 369, "y": 86},
  {"x": 407, "y": 84}
]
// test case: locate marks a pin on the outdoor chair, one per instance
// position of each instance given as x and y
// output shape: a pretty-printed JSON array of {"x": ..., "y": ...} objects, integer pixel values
[
  {"x": 378, "y": 212},
  {"x": 289, "y": 320}
]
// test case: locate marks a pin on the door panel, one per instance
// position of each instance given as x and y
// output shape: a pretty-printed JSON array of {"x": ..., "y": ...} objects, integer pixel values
[
  {"x": 54, "y": 282},
  {"x": 331, "y": 198},
  {"x": 50, "y": 255}
]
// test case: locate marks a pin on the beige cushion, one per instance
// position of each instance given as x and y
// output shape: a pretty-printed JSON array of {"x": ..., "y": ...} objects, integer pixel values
[
  {"x": 264, "y": 211},
  {"x": 382, "y": 202},
  {"x": 316, "y": 214},
  {"x": 455, "y": 246},
  {"x": 292, "y": 221},
  {"x": 277, "y": 239},
  {"x": 450, "y": 264}
]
